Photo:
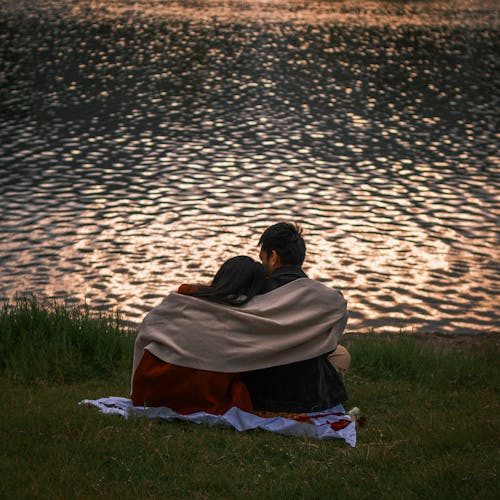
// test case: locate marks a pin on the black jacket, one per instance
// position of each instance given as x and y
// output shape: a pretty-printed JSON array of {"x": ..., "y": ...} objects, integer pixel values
[{"x": 304, "y": 386}]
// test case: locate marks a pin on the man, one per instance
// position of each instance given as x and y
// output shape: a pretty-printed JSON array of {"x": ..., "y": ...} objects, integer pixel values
[{"x": 304, "y": 386}]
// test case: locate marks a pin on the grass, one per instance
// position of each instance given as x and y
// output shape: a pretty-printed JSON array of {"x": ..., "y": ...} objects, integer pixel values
[
  {"x": 432, "y": 427},
  {"x": 49, "y": 341}
]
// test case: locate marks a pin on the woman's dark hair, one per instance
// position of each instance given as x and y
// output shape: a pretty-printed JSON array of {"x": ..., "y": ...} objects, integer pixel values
[
  {"x": 236, "y": 282},
  {"x": 286, "y": 239}
]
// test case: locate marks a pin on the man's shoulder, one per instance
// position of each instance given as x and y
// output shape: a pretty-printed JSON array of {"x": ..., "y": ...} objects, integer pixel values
[
  {"x": 312, "y": 285},
  {"x": 282, "y": 276},
  {"x": 287, "y": 275},
  {"x": 304, "y": 293}
]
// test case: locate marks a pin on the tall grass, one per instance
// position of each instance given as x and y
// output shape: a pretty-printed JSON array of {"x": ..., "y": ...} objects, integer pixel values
[
  {"x": 403, "y": 357},
  {"x": 51, "y": 341},
  {"x": 48, "y": 340}
]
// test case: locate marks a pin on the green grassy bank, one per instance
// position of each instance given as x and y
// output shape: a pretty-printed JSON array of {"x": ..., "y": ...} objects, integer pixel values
[{"x": 432, "y": 427}]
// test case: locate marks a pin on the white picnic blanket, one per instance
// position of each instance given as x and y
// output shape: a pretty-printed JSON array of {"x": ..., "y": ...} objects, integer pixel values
[{"x": 318, "y": 427}]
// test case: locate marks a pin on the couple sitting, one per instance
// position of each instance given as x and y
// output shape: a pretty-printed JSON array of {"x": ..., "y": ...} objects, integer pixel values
[{"x": 262, "y": 337}]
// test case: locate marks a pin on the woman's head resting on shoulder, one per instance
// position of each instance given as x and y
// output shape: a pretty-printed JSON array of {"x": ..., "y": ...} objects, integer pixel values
[{"x": 236, "y": 282}]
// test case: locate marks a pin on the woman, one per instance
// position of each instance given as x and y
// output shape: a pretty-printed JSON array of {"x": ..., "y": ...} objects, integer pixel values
[{"x": 188, "y": 390}]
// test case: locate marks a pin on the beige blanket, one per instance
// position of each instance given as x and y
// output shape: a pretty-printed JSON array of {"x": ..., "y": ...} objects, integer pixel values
[{"x": 297, "y": 321}]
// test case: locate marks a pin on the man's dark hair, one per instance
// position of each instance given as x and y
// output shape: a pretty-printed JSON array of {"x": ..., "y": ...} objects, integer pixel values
[{"x": 286, "y": 239}]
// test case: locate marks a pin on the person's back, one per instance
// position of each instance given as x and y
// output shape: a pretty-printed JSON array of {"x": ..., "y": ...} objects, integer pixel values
[
  {"x": 308, "y": 385},
  {"x": 156, "y": 382}
]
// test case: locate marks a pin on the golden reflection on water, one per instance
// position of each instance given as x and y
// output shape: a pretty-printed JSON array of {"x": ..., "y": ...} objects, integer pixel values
[
  {"x": 287, "y": 122},
  {"x": 387, "y": 276},
  {"x": 366, "y": 12}
]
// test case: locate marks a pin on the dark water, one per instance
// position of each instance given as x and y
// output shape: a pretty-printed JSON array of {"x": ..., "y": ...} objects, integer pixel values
[{"x": 141, "y": 147}]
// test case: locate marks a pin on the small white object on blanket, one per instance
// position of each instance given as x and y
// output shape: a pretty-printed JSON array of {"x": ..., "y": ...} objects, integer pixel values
[{"x": 240, "y": 420}]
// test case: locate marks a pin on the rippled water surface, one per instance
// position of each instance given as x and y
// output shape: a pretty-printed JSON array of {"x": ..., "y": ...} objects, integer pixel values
[{"x": 142, "y": 145}]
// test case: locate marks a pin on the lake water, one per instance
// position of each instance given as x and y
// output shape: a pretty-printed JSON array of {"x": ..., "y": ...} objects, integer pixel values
[{"x": 143, "y": 143}]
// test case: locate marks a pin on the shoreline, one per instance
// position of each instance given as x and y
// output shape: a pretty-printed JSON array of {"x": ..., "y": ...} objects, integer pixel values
[{"x": 435, "y": 339}]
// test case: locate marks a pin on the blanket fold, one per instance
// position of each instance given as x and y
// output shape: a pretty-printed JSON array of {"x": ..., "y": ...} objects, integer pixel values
[{"x": 300, "y": 320}]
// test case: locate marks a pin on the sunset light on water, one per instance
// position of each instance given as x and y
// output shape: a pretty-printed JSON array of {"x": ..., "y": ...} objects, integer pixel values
[{"x": 142, "y": 144}]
